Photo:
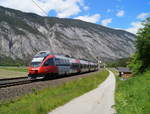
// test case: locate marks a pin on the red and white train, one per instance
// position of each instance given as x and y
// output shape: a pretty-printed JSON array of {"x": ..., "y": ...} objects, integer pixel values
[{"x": 44, "y": 65}]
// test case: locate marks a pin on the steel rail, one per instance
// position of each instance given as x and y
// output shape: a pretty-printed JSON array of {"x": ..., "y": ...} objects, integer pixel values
[
  {"x": 7, "y": 82},
  {"x": 3, "y": 79}
]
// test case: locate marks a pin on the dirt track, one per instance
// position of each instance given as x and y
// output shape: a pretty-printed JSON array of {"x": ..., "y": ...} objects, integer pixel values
[{"x": 97, "y": 101}]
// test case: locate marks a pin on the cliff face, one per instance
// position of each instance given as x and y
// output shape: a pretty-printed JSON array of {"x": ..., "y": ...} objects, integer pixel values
[{"x": 24, "y": 34}]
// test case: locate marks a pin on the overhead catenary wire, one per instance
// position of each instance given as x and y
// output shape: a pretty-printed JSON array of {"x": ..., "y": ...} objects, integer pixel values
[
  {"x": 46, "y": 15},
  {"x": 40, "y": 7}
]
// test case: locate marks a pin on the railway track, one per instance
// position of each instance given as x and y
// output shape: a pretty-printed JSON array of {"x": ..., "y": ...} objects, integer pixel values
[{"x": 7, "y": 82}]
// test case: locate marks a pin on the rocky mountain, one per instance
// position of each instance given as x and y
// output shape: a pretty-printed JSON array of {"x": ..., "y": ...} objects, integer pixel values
[{"x": 24, "y": 34}]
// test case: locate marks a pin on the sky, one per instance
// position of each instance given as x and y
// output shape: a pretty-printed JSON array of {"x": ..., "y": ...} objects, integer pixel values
[{"x": 118, "y": 14}]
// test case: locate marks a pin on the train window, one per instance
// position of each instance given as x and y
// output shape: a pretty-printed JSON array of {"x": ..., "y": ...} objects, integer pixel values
[
  {"x": 67, "y": 62},
  {"x": 35, "y": 64},
  {"x": 42, "y": 54},
  {"x": 61, "y": 62},
  {"x": 57, "y": 61},
  {"x": 49, "y": 62}
]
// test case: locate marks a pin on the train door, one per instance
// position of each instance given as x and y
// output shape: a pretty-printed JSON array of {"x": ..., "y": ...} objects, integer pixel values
[
  {"x": 63, "y": 66},
  {"x": 59, "y": 63},
  {"x": 49, "y": 66}
]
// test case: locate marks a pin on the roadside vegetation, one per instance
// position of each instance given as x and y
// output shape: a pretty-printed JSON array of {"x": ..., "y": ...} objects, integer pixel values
[
  {"x": 133, "y": 94},
  {"x": 48, "y": 99},
  {"x": 119, "y": 63},
  {"x": 140, "y": 61},
  {"x": 8, "y": 61}
]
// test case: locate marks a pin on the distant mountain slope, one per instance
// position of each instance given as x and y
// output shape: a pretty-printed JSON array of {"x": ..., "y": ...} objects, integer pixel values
[{"x": 24, "y": 34}]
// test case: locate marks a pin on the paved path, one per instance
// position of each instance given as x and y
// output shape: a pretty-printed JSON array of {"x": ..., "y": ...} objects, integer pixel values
[{"x": 97, "y": 101}]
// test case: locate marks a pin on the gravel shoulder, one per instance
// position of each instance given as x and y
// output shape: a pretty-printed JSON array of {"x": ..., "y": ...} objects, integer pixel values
[
  {"x": 14, "y": 92},
  {"x": 97, "y": 101}
]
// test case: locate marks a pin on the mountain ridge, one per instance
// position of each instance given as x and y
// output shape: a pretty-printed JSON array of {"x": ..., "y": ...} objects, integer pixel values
[{"x": 19, "y": 30}]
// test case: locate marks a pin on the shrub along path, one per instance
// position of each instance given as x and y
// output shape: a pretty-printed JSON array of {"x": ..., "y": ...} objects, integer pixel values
[{"x": 133, "y": 95}]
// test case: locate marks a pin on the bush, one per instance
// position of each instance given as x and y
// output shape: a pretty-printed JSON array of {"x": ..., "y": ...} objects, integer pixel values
[
  {"x": 8, "y": 61},
  {"x": 141, "y": 59}
]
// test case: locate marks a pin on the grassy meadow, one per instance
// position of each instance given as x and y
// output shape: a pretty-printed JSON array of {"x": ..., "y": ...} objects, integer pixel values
[
  {"x": 133, "y": 95},
  {"x": 41, "y": 102},
  {"x": 9, "y": 72},
  {"x": 18, "y": 69}
]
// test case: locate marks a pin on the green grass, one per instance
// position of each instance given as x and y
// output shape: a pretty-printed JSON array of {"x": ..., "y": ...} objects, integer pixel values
[
  {"x": 18, "y": 69},
  {"x": 41, "y": 102},
  {"x": 11, "y": 74},
  {"x": 133, "y": 95}
]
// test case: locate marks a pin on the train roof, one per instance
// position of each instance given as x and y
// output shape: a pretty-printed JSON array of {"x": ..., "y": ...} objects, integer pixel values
[
  {"x": 46, "y": 53},
  {"x": 42, "y": 54}
]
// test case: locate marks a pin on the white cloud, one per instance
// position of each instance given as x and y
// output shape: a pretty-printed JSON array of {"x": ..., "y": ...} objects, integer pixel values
[
  {"x": 120, "y": 13},
  {"x": 135, "y": 27},
  {"x": 83, "y": 5},
  {"x": 105, "y": 22},
  {"x": 93, "y": 18},
  {"x": 143, "y": 15},
  {"x": 63, "y": 8}
]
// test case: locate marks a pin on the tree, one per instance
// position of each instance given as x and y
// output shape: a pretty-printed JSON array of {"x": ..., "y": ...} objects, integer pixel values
[{"x": 141, "y": 59}]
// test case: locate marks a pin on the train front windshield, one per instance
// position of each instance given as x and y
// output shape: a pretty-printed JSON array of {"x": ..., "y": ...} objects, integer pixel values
[
  {"x": 35, "y": 64},
  {"x": 41, "y": 54}
]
